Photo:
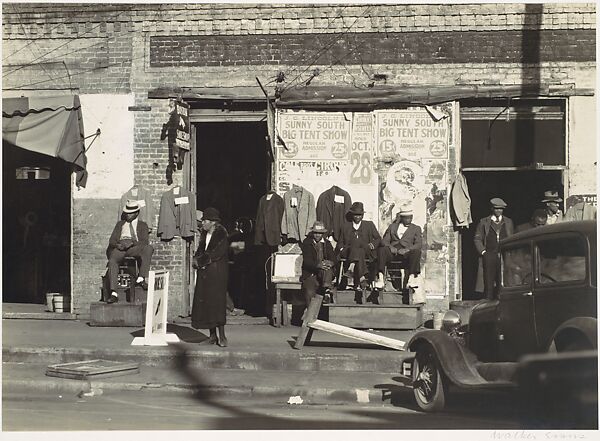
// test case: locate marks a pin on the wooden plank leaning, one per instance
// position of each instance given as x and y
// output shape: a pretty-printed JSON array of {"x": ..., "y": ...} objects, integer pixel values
[{"x": 311, "y": 322}]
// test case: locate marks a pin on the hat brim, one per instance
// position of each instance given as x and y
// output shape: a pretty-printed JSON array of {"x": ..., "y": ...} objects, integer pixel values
[
  {"x": 499, "y": 206},
  {"x": 356, "y": 212},
  {"x": 214, "y": 219},
  {"x": 318, "y": 231},
  {"x": 129, "y": 211},
  {"x": 552, "y": 200}
]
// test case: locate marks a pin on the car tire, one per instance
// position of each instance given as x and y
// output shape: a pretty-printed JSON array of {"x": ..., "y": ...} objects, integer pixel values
[{"x": 430, "y": 385}]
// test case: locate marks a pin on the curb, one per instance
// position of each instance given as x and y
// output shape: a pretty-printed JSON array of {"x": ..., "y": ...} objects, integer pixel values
[
  {"x": 218, "y": 359},
  {"x": 316, "y": 395}
]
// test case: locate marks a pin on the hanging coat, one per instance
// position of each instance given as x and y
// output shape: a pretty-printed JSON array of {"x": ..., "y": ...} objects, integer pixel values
[
  {"x": 177, "y": 217},
  {"x": 144, "y": 199},
  {"x": 332, "y": 206},
  {"x": 210, "y": 293},
  {"x": 297, "y": 221},
  {"x": 268, "y": 220},
  {"x": 461, "y": 202}
]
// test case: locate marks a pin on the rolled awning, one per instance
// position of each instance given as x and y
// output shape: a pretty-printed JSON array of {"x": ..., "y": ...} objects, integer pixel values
[{"x": 51, "y": 126}]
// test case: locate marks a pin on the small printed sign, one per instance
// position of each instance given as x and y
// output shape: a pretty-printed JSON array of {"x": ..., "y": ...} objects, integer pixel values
[{"x": 182, "y": 200}]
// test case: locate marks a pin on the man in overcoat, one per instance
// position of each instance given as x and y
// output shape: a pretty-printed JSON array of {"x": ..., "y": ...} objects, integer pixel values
[
  {"x": 490, "y": 231},
  {"x": 129, "y": 238},
  {"x": 402, "y": 241},
  {"x": 358, "y": 243},
  {"x": 318, "y": 261}
]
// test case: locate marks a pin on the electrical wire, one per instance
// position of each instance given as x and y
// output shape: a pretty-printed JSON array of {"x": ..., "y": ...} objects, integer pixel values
[
  {"x": 323, "y": 50},
  {"x": 64, "y": 44}
]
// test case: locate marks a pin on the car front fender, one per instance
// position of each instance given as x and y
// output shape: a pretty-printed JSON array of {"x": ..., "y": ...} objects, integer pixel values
[
  {"x": 579, "y": 328},
  {"x": 456, "y": 361}
]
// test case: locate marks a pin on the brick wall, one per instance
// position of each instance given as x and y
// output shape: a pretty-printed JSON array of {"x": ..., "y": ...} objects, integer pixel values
[
  {"x": 369, "y": 48},
  {"x": 133, "y": 48}
]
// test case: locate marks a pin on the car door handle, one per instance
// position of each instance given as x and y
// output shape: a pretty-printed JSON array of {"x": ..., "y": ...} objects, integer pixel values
[{"x": 528, "y": 293}]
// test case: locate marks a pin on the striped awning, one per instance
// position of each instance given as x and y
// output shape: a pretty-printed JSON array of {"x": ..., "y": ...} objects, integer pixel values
[{"x": 51, "y": 126}]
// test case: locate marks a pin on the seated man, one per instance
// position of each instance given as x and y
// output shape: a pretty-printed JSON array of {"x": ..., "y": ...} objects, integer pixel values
[
  {"x": 358, "y": 243},
  {"x": 401, "y": 242},
  {"x": 317, "y": 263},
  {"x": 129, "y": 238}
]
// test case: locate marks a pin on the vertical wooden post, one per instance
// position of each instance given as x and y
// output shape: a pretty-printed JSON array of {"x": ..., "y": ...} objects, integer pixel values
[{"x": 311, "y": 314}]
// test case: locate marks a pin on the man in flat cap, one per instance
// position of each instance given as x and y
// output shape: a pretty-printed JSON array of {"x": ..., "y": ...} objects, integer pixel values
[
  {"x": 490, "y": 231},
  {"x": 553, "y": 211},
  {"x": 129, "y": 238},
  {"x": 402, "y": 242}
]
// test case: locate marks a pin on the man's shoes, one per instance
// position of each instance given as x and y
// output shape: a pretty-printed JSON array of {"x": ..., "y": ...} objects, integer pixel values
[
  {"x": 112, "y": 299},
  {"x": 236, "y": 312},
  {"x": 326, "y": 298},
  {"x": 379, "y": 282},
  {"x": 212, "y": 340},
  {"x": 364, "y": 283}
]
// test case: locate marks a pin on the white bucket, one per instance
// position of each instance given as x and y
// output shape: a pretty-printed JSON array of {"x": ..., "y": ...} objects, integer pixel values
[
  {"x": 61, "y": 303},
  {"x": 50, "y": 301},
  {"x": 437, "y": 320}
]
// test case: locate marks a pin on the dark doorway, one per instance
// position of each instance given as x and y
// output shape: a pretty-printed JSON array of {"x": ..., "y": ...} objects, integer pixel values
[
  {"x": 521, "y": 190},
  {"x": 233, "y": 172},
  {"x": 36, "y": 225}
]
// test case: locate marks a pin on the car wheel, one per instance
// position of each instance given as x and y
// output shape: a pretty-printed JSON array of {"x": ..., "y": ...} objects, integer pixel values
[{"x": 429, "y": 383}]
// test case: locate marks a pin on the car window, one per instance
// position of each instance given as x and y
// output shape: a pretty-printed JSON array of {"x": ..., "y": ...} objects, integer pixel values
[
  {"x": 516, "y": 266},
  {"x": 562, "y": 260}
]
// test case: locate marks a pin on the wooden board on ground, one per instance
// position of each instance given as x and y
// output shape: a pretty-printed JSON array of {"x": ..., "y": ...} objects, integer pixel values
[{"x": 88, "y": 369}]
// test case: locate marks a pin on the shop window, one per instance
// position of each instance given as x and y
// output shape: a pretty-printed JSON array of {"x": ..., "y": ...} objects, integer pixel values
[
  {"x": 516, "y": 266},
  {"x": 513, "y": 133},
  {"x": 562, "y": 260}
]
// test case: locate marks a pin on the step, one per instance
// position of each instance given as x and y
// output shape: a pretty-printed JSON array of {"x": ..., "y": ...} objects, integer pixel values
[
  {"x": 370, "y": 316},
  {"x": 325, "y": 388},
  {"x": 347, "y": 297},
  {"x": 117, "y": 314}
]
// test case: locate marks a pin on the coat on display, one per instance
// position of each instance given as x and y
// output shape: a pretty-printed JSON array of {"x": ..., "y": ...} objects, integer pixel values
[
  {"x": 300, "y": 213},
  {"x": 268, "y": 220},
  {"x": 177, "y": 216},
  {"x": 332, "y": 206}
]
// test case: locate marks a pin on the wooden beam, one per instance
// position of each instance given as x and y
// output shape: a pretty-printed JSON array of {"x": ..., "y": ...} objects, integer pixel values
[
  {"x": 357, "y": 335},
  {"x": 310, "y": 316}
]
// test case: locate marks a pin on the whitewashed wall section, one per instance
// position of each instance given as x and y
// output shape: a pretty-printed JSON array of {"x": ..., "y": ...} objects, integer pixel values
[
  {"x": 389, "y": 160},
  {"x": 110, "y": 156},
  {"x": 582, "y": 145}
]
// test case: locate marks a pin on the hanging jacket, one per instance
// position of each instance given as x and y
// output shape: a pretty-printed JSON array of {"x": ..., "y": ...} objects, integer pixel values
[
  {"x": 332, "y": 212},
  {"x": 461, "y": 202},
  {"x": 176, "y": 219},
  {"x": 268, "y": 220},
  {"x": 297, "y": 221},
  {"x": 144, "y": 199}
]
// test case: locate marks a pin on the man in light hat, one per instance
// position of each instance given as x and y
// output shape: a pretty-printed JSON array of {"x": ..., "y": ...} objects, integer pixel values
[
  {"x": 358, "y": 243},
  {"x": 552, "y": 201},
  {"x": 129, "y": 238},
  {"x": 402, "y": 241},
  {"x": 318, "y": 260},
  {"x": 490, "y": 231}
]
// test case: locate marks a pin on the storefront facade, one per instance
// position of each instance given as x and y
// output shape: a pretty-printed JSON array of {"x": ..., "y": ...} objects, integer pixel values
[{"x": 504, "y": 93}]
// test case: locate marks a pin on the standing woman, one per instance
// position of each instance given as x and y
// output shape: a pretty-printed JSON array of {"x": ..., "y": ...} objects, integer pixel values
[{"x": 211, "y": 263}]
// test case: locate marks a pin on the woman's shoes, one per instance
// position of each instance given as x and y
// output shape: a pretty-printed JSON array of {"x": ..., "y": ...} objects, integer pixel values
[
  {"x": 212, "y": 340},
  {"x": 222, "y": 342}
]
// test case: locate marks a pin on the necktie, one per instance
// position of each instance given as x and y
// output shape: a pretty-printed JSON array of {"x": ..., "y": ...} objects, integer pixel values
[{"x": 132, "y": 231}]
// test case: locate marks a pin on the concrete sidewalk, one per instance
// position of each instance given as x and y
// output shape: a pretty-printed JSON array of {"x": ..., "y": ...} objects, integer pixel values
[{"x": 259, "y": 362}]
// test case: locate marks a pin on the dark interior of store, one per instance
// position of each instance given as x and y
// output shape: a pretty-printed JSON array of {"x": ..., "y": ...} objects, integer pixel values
[
  {"x": 36, "y": 225},
  {"x": 521, "y": 190},
  {"x": 232, "y": 174}
]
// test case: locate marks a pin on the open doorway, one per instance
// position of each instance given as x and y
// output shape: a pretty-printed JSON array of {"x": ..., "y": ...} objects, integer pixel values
[
  {"x": 36, "y": 226},
  {"x": 521, "y": 190},
  {"x": 233, "y": 171}
]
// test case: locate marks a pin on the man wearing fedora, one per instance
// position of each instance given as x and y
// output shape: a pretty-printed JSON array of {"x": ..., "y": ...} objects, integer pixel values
[
  {"x": 318, "y": 260},
  {"x": 358, "y": 243},
  {"x": 129, "y": 239},
  {"x": 402, "y": 241},
  {"x": 552, "y": 201},
  {"x": 490, "y": 231}
]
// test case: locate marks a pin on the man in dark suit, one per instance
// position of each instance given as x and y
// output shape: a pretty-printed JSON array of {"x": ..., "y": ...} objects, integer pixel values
[
  {"x": 490, "y": 231},
  {"x": 358, "y": 243},
  {"x": 401, "y": 242},
  {"x": 318, "y": 260},
  {"x": 129, "y": 238}
]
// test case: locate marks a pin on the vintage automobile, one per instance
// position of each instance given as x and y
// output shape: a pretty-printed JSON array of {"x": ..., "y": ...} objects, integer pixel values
[{"x": 546, "y": 303}]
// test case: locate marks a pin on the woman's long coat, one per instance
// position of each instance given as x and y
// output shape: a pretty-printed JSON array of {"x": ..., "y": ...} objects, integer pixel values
[{"x": 210, "y": 295}]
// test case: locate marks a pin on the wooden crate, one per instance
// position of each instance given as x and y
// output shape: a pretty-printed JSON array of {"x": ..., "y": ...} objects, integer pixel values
[
  {"x": 117, "y": 314},
  {"x": 346, "y": 297},
  {"x": 369, "y": 316}
]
